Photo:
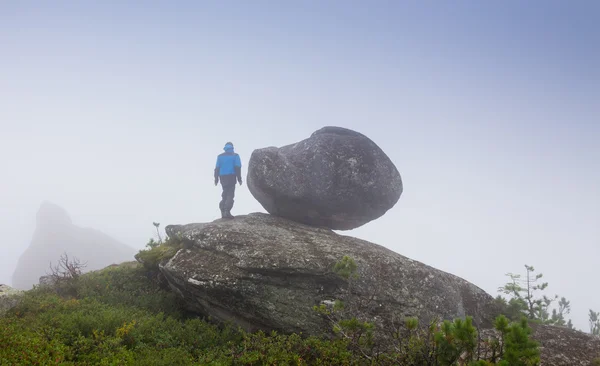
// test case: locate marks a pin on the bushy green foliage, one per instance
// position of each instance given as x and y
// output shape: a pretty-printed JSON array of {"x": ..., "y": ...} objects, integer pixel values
[
  {"x": 455, "y": 341},
  {"x": 158, "y": 252},
  {"x": 526, "y": 299},
  {"x": 87, "y": 332},
  {"x": 440, "y": 344},
  {"x": 521, "y": 350},
  {"x": 121, "y": 316},
  {"x": 346, "y": 268},
  {"x": 130, "y": 285},
  {"x": 106, "y": 325}
]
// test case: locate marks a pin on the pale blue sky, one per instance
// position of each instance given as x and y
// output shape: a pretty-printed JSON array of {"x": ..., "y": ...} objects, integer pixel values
[{"x": 490, "y": 111}]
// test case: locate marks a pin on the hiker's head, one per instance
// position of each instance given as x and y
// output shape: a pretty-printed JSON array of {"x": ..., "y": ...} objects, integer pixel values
[{"x": 228, "y": 147}]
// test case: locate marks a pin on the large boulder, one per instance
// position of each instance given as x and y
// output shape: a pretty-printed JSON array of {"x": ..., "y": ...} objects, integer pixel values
[
  {"x": 54, "y": 235},
  {"x": 337, "y": 178},
  {"x": 265, "y": 272},
  {"x": 9, "y": 298}
]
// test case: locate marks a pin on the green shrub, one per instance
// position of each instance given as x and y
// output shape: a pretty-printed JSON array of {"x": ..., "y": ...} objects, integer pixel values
[
  {"x": 455, "y": 341},
  {"x": 120, "y": 316},
  {"x": 129, "y": 284},
  {"x": 51, "y": 329},
  {"x": 521, "y": 350},
  {"x": 158, "y": 253},
  {"x": 441, "y": 344}
]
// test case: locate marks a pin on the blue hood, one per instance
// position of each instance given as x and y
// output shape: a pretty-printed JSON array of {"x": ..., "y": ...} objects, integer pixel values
[{"x": 228, "y": 148}]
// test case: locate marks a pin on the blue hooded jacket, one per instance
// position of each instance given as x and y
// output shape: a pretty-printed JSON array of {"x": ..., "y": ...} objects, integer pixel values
[{"x": 229, "y": 163}]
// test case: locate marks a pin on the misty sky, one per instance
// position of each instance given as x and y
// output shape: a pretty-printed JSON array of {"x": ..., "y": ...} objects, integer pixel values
[{"x": 490, "y": 111}]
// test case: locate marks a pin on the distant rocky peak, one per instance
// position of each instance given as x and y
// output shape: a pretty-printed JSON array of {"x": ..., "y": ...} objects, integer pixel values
[
  {"x": 53, "y": 215},
  {"x": 54, "y": 235}
]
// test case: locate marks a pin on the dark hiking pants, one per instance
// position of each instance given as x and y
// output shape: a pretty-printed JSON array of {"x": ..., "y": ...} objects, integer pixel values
[{"x": 228, "y": 184}]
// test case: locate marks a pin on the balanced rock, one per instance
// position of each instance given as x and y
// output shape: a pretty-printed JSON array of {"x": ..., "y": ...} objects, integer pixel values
[
  {"x": 54, "y": 235},
  {"x": 337, "y": 178},
  {"x": 265, "y": 272}
]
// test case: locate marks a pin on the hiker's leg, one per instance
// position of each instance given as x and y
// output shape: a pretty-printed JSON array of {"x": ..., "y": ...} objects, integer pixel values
[
  {"x": 223, "y": 199},
  {"x": 232, "y": 199},
  {"x": 228, "y": 182},
  {"x": 229, "y": 192}
]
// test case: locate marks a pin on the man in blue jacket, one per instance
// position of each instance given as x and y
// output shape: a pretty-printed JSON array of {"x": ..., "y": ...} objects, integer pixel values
[{"x": 228, "y": 170}]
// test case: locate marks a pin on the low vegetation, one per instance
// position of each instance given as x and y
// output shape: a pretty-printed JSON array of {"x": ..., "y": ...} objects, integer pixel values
[
  {"x": 122, "y": 315},
  {"x": 438, "y": 343},
  {"x": 526, "y": 298}
]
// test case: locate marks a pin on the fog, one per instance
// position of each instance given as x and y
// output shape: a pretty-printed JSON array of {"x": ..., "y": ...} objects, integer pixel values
[{"x": 490, "y": 112}]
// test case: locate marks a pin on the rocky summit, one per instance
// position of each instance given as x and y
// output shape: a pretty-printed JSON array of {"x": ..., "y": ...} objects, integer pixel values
[
  {"x": 265, "y": 272},
  {"x": 270, "y": 272},
  {"x": 337, "y": 178}
]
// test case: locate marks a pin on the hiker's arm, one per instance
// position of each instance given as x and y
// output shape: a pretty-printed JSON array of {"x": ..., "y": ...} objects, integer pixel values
[
  {"x": 238, "y": 169},
  {"x": 217, "y": 171}
]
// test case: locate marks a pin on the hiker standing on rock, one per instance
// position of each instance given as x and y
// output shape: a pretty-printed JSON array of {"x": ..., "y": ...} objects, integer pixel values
[{"x": 228, "y": 170}]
